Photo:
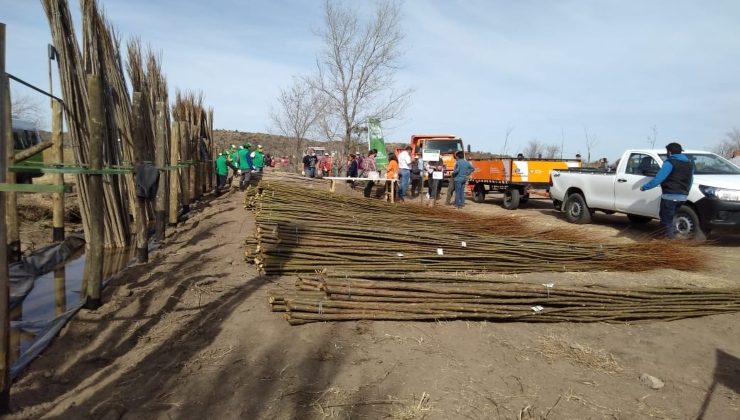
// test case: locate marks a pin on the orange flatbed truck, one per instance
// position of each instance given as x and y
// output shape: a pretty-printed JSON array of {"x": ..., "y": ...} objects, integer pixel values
[{"x": 515, "y": 178}]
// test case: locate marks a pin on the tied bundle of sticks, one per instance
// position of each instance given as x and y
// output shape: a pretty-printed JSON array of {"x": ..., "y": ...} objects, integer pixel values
[
  {"x": 302, "y": 228},
  {"x": 337, "y": 296}
]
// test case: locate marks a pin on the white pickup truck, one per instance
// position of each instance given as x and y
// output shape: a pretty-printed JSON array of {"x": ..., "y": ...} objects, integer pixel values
[{"x": 713, "y": 201}]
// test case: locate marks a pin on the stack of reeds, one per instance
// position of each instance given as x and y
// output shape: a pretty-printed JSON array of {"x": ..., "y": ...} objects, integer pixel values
[
  {"x": 301, "y": 229},
  {"x": 123, "y": 146},
  {"x": 337, "y": 296},
  {"x": 195, "y": 130}
]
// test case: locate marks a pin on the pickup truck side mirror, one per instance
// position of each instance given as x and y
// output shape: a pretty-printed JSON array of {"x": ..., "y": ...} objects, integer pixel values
[{"x": 650, "y": 172}]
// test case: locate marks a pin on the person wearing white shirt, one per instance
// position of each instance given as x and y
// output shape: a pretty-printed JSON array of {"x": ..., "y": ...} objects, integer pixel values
[{"x": 404, "y": 173}]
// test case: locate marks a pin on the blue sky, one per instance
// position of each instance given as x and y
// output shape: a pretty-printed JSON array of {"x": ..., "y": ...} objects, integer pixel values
[{"x": 542, "y": 68}]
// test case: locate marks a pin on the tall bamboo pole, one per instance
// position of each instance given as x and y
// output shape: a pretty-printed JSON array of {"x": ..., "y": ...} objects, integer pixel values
[
  {"x": 11, "y": 217},
  {"x": 161, "y": 159},
  {"x": 174, "y": 176},
  {"x": 4, "y": 275},
  {"x": 93, "y": 276},
  {"x": 58, "y": 157},
  {"x": 137, "y": 109},
  {"x": 185, "y": 156}
]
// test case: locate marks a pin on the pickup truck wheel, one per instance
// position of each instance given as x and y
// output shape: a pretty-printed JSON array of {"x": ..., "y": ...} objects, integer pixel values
[
  {"x": 511, "y": 199},
  {"x": 479, "y": 193},
  {"x": 576, "y": 210},
  {"x": 688, "y": 225},
  {"x": 634, "y": 218}
]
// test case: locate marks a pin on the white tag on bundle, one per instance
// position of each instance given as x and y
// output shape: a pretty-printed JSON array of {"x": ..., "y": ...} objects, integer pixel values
[
  {"x": 537, "y": 308},
  {"x": 440, "y": 251},
  {"x": 463, "y": 244},
  {"x": 400, "y": 254}
]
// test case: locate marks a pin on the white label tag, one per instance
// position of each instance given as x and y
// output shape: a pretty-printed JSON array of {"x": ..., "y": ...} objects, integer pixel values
[
  {"x": 537, "y": 308},
  {"x": 437, "y": 175},
  {"x": 463, "y": 244},
  {"x": 440, "y": 251}
]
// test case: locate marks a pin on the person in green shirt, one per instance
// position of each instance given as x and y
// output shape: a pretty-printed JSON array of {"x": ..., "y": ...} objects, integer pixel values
[
  {"x": 232, "y": 160},
  {"x": 222, "y": 171},
  {"x": 245, "y": 166},
  {"x": 258, "y": 158}
]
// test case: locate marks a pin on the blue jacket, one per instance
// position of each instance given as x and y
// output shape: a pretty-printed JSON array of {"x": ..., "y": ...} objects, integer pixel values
[
  {"x": 665, "y": 170},
  {"x": 462, "y": 170}
]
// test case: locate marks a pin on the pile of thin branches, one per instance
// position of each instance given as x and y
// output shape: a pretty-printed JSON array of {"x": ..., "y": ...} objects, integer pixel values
[
  {"x": 302, "y": 228},
  {"x": 348, "y": 296}
]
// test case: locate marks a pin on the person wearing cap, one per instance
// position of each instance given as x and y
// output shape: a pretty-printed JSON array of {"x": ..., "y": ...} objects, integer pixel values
[
  {"x": 310, "y": 161},
  {"x": 325, "y": 165},
  {"x": 245, "y": 166},
  {"x": 675, "y": 178},
  {"x": 258, "y": 159},
  {"x": 222, "y": 171}
]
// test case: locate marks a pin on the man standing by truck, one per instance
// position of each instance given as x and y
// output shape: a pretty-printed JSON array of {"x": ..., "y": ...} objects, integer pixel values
[
  {"x": 404, "y": 174},
  {"x": 460, "y": 175},
  {"x": 675, "y": 178}
]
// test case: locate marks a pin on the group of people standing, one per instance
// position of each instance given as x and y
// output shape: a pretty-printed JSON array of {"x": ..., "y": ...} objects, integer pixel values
[
  {"x": 240, "y": 161},
  {"x": 316, "y": 166},
  {"x": 408, "y": 172}
]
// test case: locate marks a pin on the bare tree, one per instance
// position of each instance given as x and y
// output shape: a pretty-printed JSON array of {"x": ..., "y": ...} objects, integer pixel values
[
  {"x": 534, "y": 149},
  {"x": 26, "y": 108},
  {"x": 509, "y": 129},
  {"x": 299, "y": 108},
  {"x": 729, "y": 144},
  {"x": 653, "y": 137},
  {"x": 590, "y": 143},
  {"x": 551, "y": 151},
  {"x": 357, "y": 67}
]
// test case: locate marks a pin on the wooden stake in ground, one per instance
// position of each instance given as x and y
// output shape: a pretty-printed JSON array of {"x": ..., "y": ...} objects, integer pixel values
[
  {"x": 160, "y": 158},
  {"x": 4, "y": 275},
  {"x": 58, "y": 157},
  {"x": 186, "y": 170},
  {"x": 174, "y": 176},
  {"x": 11, "y": 217},
  {"x": 139, "y": 150},
  {"x": 93, "y": 276}
]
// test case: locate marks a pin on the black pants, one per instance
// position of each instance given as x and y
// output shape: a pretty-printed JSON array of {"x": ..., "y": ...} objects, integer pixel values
[
  {"x": 369, "y": 188},
  {"x": 220, "y": 181}
]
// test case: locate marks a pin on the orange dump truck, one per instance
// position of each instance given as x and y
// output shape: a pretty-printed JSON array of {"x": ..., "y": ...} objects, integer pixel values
[
  {"x": 446, "y": 144},
  {"x": 515, "y": 178}
]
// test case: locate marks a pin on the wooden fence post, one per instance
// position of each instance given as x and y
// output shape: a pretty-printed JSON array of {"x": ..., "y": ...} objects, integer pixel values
[
  {"x": 58, "y": 157},
  {"x": 161, "y": 159},
  {"x": 93, "y": 276},
  {"x": 185, "y": 156},
  {"x": 137, "y": 110},
  {"x": 4, "y": 275},
  {"x": 11, "y": 205},
  {"x": 174, "y": 175}
]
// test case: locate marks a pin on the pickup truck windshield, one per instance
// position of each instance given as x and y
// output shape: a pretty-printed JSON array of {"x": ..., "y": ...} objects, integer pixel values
[
  {"x": 709, "y": 164},
  {"x": 444, "y": 146}
]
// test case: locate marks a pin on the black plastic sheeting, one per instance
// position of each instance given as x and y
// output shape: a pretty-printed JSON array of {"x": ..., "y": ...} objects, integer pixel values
[{"x": 44, "y": 260}]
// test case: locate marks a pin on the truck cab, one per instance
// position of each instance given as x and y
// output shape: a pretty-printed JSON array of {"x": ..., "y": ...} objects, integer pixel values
[{"x": 447, "y": 144}]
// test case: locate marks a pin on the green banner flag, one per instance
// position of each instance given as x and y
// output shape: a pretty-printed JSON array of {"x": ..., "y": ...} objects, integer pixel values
[{"x": 376, "y": 141}]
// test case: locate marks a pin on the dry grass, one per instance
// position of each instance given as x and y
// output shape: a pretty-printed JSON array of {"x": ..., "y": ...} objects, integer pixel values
[{"x": 554, "y": 347}]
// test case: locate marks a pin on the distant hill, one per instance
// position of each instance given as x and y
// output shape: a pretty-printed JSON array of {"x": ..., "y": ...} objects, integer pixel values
[{"x": 274, "y": 145}]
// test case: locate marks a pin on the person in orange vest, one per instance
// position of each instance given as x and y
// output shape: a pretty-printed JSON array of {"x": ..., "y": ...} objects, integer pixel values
[{"x": 391, "y": 171}]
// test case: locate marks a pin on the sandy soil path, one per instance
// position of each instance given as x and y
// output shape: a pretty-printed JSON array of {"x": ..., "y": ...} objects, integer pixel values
[{"x": 190, "y": 336}]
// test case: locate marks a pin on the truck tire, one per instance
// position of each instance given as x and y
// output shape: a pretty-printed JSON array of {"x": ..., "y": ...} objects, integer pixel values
[
  {"x": 637, "y": 219},
  {"x": 576, "y": 210},
  {"x": 511, "y": 199},
  {"x": 688, "y": 224},
  {"x": 479, "y": 193}
]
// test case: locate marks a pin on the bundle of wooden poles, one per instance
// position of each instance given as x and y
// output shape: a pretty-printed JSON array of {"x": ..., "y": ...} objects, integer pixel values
[
  {"x": 302, "y": 228},
  {"x": 133, "y": 131},
  {"x": 382, "y": 261},
  {"x": 345, "y": 296}
]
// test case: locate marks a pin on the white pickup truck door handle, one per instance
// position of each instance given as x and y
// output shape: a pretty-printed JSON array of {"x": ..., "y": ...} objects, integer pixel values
[{"x": 621, "y": 180}]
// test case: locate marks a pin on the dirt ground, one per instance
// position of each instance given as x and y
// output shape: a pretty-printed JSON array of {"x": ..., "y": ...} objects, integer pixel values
[{"x": 190, "y": 335}]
